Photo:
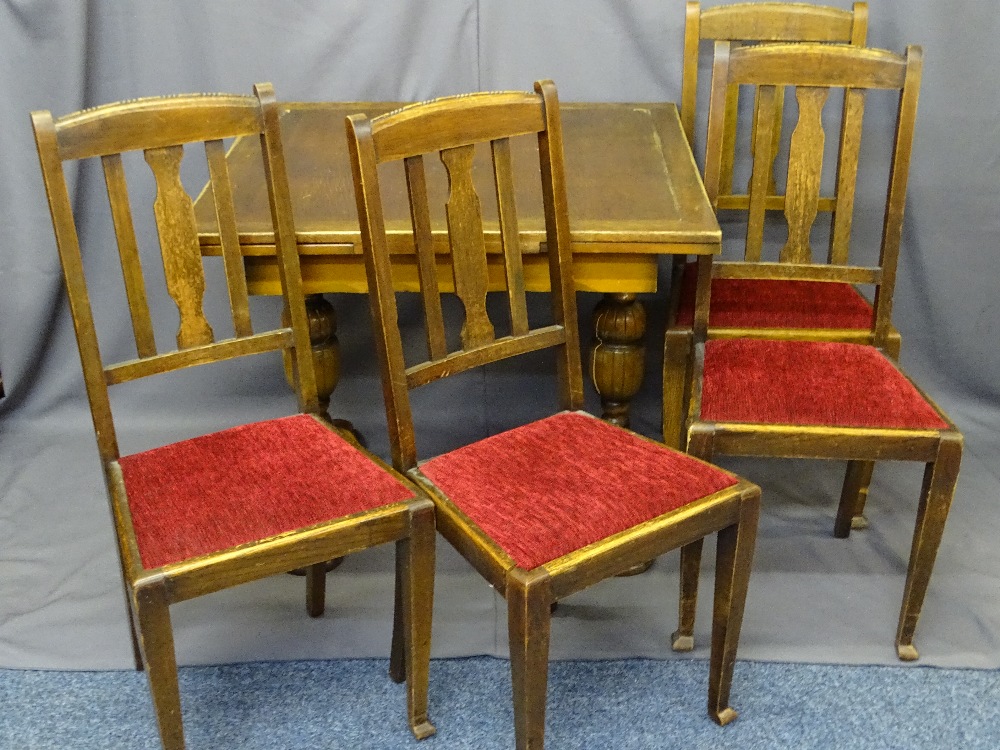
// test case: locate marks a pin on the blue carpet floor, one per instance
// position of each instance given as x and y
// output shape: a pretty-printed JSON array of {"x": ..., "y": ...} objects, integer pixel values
[{"x": 599, "y": 704}]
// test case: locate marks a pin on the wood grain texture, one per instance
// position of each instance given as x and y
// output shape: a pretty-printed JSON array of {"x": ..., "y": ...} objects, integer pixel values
[
  {"x": 805, "y": 170},
  {"x": 778, "y": 22},
  {"x": 847, "y": 176},
  {"x": 175, "y": 224},
  {"x": 510, "y": 241},
  {"x": 767, "y": 105},
  {"x": 468, "y": 248},
  {"x": 661, "y": 206}
]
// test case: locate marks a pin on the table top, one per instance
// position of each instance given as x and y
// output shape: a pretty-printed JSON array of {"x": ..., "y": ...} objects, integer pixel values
[{"x": 632, "y": 184}]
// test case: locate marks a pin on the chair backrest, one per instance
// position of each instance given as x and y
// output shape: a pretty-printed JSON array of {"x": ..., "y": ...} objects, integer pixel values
[
  {"x": 812, "y": 71},
  {"x": 485, "y": 248},
  {"x": 160, "y": 128},
  {"x": 753, "y": 23}
]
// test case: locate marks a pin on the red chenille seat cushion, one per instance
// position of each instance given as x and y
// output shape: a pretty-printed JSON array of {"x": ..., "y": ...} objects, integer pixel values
[
  {"x": 248, "y": 483},
  {"x": 556, "y": 485},
  {"x": 809, "y": 383},
  {"x": 767, "y": 303}
]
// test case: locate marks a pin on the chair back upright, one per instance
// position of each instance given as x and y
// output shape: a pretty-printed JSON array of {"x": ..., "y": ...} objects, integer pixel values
[
  {"x": 750, "y": 24},
  {"x": 166, "y": 130},
  {"x": 812, "y": 72},
  {"x": 472, "y": 250}
]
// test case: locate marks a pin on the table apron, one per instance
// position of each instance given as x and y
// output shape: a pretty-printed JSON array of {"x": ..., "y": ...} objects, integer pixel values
[{"x": 616, "y": 273}]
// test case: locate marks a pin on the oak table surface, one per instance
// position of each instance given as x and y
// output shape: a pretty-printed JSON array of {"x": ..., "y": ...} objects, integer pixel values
[{"x": 634, "y": 193}]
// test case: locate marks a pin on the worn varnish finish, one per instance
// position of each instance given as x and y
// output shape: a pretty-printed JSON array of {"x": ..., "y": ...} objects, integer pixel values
[
  {"x": 164, "y": 130},
  {"x": 530, "y": 594},
  {"x": 618, "y": 226},
  {"x": 811, "y": 68}
]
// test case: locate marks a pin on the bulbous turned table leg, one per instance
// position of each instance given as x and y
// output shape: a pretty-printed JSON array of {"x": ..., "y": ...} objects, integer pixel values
[
  {"x": 618, "y": 356},
  {"x": 617, "y": 361}
]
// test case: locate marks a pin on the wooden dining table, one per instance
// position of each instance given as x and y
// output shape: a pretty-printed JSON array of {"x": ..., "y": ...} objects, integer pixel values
[{"x": 634, "y": 193}]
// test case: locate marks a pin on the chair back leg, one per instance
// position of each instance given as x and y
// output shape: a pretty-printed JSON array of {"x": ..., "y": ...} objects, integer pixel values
[{"x": 853, "y": 498}]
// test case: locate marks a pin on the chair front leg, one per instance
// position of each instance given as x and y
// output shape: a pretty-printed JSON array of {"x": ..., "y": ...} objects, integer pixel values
[
  {"x": 940, "y": 477},
  {"x": 734, "y": 559},
  {"x": 853, "y": 498},
  {"x": 156, "y": 641},
  {"x": 413, "y": 614},
  {"x": 529, "y": 618},
  {"x": 700, "y": 444}
]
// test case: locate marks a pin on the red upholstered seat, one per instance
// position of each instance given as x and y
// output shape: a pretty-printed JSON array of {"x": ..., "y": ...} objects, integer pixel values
[
  {"x": 764, "y": 303},
  {"x": 554, "y": 486},
  {"x": 809, "y": 383},
  {"x": 248, "y": 483}
]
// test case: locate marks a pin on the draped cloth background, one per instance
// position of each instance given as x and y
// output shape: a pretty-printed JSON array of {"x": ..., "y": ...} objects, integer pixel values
[{"x": 812, "y": 598}]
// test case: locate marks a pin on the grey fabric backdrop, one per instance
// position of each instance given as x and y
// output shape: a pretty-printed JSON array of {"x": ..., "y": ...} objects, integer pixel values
[{"x": 813, "y": 598}]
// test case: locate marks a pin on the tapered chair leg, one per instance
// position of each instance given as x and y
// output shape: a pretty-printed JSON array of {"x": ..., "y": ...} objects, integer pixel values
[
  {"x": 157, "y": 646},
  {"x": 853, "y": 498},
  {"x": 734, "y": 559},
  {"x": 683, "y": 637},
  {"x": 529, "y": 618},
  {"x": 415, "y": 581},
  {"x": 397, "y": 654},
  {"x": 700, "y": 445},
  {"x": 316, "y": 589},
  {"x": 936, "y": 495}
]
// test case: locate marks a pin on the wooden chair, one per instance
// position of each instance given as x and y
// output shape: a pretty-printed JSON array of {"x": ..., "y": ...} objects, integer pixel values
[
  {"x": 254, "y": 500},
  {"x": 553, "y": 506},
  {"x": 798, "y": 397},
  {"x": 800, "y": 308}
]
